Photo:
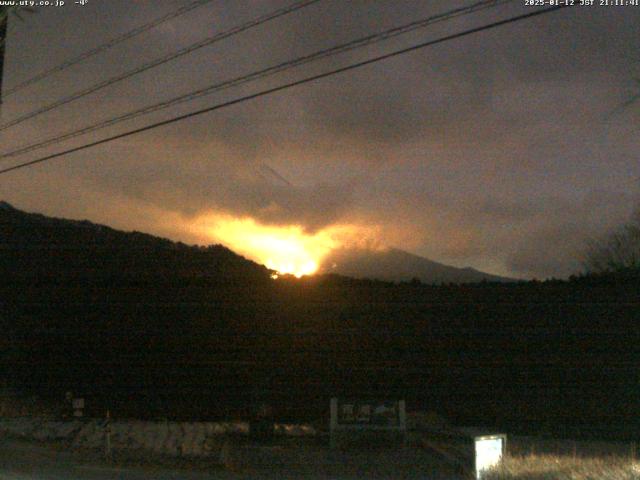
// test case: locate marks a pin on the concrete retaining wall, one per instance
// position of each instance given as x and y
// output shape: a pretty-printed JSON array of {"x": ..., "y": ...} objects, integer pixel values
[{"x": 185, "y": 439}]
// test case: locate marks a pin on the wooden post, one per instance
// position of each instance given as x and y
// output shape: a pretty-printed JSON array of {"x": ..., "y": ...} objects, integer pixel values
[
  {"x": 107, "y": 437},
  {"x": 633, "y": 452},
  {"x": 333, "y": 423},
  {"x": 402, "y": 418}
]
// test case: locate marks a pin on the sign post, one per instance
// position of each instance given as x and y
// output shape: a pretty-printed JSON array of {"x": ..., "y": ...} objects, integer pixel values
[
  {"x": 78, "y": 407},
  {"x": 353, "y": 417}
]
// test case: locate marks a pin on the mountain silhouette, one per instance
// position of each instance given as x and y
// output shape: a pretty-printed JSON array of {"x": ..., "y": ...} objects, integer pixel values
[
  {"x": 397, "y": 265},
  {"x": 41, "y": 247},
  {"x": 35, "y": 245}
]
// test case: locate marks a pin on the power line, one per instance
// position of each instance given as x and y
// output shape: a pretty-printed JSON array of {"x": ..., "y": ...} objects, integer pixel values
[
  {"x": 162, "y": 60},
  {"x": 269, "y": 71},
  {"x": 285, "y": 86},
  {"x": 105, "y": 46}
]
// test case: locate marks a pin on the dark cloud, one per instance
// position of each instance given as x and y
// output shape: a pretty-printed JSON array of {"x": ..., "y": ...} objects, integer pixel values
[{"x": 497, "y": 151}]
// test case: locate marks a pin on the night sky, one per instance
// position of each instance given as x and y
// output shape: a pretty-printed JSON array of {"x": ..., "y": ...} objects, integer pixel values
[{"x": 504, "y": 150}]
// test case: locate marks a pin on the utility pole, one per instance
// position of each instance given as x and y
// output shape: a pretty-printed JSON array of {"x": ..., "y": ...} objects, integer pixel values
[
  {"x": 4, "y": 22},
  {"x": 5, "y": 13}
]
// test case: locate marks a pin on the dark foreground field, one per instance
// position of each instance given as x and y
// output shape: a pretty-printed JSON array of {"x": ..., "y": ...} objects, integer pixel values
[
  {"x": 529, "y": 458},
  {"x": 23, "y": 460}
]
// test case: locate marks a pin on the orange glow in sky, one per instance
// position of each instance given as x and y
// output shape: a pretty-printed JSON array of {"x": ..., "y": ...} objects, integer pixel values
[{"x": 286, "y": 249}]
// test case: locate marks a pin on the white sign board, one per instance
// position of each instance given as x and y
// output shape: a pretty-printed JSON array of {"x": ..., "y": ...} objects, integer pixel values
[{"x": 489, "y": 450}]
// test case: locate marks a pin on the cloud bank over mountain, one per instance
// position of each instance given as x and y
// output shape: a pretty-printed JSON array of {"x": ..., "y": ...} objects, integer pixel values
[{"x": 497, "y": 151}]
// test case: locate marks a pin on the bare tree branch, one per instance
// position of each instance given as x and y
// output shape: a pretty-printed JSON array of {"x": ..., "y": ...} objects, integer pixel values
[{"x": 617, "y": 251}]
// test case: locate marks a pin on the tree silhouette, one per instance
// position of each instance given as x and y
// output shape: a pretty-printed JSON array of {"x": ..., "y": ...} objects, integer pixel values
[{"x": 618, "y": 251}]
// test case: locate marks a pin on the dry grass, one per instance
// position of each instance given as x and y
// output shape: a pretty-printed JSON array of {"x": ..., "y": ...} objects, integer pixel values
[{"x": 555, "y": 467}]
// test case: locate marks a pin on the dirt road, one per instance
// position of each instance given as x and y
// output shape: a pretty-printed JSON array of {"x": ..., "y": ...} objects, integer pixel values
[{"x": 20, "y": 460}]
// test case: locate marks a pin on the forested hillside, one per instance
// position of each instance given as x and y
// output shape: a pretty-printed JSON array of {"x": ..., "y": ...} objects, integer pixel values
[{"x": 151, "y": 328}]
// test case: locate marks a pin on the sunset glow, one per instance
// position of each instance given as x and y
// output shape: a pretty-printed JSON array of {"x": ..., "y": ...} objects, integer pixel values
[{"x": 285, "y": 249}]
